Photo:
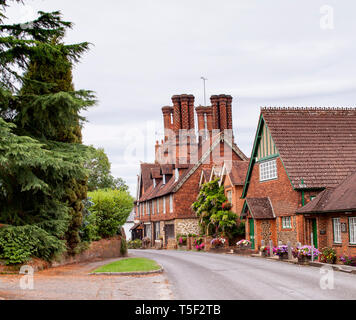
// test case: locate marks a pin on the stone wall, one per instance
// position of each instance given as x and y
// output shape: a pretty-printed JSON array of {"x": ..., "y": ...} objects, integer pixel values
[{"x": 187, "y": 226}]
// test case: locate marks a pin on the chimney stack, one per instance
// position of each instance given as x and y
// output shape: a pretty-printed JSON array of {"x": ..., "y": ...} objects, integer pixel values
[
  {"x": 167, "y": 121},
  {"x": 222, "y": 112}
]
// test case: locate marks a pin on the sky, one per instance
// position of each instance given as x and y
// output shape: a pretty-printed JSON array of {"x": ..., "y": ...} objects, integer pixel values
[{"x": 296, "y": 53}]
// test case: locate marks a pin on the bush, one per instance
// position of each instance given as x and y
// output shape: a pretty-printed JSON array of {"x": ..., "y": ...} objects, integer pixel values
[
  {"x": 181, "y": 239},
  {"x": 123, "y": 248},
  {"x": 20, "y": 244},
  {"x": 108, "y": 212},
  {"x": 328, "y": 255},
  {"x": 134, "y": 244}
]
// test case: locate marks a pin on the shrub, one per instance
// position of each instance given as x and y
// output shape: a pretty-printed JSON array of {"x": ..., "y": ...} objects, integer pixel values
[
  {"x": 348, "y": 260},
  {"x": 123, "y": 248},
  {"x": 328, "y": 255},
  {"x": 19, "y": 244},
  {"x": 108, "y": 212},
  {"x": 134, "y": 244},
  {"x": 217, "y": 242},
  {"x": 181, "y": 239},
  {"x": 305, "y": 251}
]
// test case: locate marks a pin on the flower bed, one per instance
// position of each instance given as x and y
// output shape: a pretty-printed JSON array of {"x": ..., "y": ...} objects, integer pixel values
[
  {"x": 281, "y": 252},
  {"x": 328, "y": 255},
  {"x": 243, "y": 244},
  {"x": 348, "y": 260},
  {"x": 218, "y": 243},
  {"x": 198, "y": 244},
  {"x": 304, "y": 254}
]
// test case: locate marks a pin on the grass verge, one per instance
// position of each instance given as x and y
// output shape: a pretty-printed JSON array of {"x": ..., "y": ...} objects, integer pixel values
[{"x": 130, "y": 265}]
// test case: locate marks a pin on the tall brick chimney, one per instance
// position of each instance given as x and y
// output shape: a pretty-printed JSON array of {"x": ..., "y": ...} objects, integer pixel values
[
  {"x": 205, "y": 121},
  {"x": 183, "y": 124},
  {"x": 167, "y": 121},
  {"x": 222, "y": 112}
]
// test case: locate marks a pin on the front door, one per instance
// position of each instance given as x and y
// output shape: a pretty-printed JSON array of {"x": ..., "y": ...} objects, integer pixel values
[
  {"x": 252, "y": 233},
  {"x": 315, "y": 233},
  {"x": 169, "y": 232}
]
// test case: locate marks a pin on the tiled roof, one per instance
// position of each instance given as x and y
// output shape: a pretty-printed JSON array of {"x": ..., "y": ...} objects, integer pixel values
[
  {"x": 146, "y": 179},
  {"x": 237, "y": 171},
  {"x": 163, "y": 189},
  {"x": 341, "y": 198},
  {"x": 260, "y": 208},
  {"x": 317, "y": 145}
]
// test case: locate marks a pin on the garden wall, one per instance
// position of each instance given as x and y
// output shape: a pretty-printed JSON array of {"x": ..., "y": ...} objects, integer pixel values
[{"x": 102, "y": 249}]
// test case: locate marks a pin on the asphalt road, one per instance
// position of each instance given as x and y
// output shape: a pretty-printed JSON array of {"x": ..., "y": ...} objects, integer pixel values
[{"x": 209, "y": 276}]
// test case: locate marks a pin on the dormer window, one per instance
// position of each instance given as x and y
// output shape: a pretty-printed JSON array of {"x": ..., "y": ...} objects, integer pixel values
[
  {"x": 176, "y": 174},
  {"x": 154, "y": 183},
  {"x": 164, "y": 179}
]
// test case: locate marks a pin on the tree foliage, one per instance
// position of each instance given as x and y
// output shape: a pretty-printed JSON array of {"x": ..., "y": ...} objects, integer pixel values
[
  {"x": 108, "y": 211},
  {"x": 213, "y": 218},
  {"x": 42, "y": 174},
  {"x": 100, "y": 176}
]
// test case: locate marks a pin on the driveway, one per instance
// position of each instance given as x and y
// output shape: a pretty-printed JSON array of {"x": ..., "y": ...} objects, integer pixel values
[
  {"x": 209, "y": 276},
  {"x": 72, "y": 282}
]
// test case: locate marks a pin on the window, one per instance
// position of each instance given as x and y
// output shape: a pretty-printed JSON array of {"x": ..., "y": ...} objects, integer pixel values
[
  {"x": 171, "y": 203},
  {"x": 164, "y": 179},
  {"x": 176, "y": 174},
  {"x": 352, "y": 229},
  {"x": 229, "y": 196},
  {"x": 153, "y": 207},
  {"x": 337, "y": 230},
  {"x": 286, "y": 222},
  {"x": 154, "y": 183},
  {"x": 157, "y": 207},
  {"x": 164, "y": 204},
  {"x": 268, "y": 170}
]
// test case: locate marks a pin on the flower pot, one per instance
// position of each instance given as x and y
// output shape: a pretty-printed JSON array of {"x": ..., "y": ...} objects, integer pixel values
[
  {"x": 283, "y": 256},
  {"x": 304, "y": 259}
]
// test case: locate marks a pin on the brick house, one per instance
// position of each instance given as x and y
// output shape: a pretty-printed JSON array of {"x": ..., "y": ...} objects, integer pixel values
[
  {"x": 335, "y": 212},
  {"x": 232, "y": 177},
  {"x": 167, "y": 188},
  {"x": 297, "y": 153}
]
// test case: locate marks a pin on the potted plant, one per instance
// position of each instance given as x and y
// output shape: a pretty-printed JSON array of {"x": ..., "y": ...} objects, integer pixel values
[
  {"x": 282, "y": 252},
  {"x": 304, "y": 254},
  {"x": 263, "y": 251},
  {"x": 348, "y": 260},
  {"x": 198, "y": 244},
  {"x": 328, "y": 255},
  {"x": 217, "y": 244},
  {"x": 146, "y": 242},
  {"x": 182, "y": 242},
  {"x": 243, "y": 244}
]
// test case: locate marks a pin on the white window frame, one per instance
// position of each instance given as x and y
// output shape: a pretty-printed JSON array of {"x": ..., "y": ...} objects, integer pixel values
[
  {"x": 287, "y": 222},
  {"x": 171, "y": 203},
  {"x": 336, "y": 230},
  {"x": 164, "y": 179},
  {"x": 229, "y": 195},
  {"x": 268, "y": 170},
  {"x": 352, "y": 230},
  {"x": 164, "y": 204},
  {"x": 176, "y": 174}
]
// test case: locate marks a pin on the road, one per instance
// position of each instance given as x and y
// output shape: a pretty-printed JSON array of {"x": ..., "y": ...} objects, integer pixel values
[{"x": 209, "y": 276}]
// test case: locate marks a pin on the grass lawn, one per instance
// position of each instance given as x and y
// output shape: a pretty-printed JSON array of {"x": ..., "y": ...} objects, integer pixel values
[{"x": 130, "y": 265}]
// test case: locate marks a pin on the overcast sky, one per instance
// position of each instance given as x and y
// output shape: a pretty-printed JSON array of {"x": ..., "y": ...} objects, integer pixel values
[{"x": 263, "y": 53}]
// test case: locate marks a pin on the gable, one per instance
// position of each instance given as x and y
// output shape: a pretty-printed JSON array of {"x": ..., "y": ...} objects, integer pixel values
[
  {"x": 266, "y": 147},
  {"x": 263, "y": 148}
]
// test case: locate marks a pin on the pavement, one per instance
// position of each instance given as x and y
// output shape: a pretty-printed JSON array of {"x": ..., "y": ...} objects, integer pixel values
[
  {"x": 73, "y": 282},
  {"x": 210, "y": 276}
]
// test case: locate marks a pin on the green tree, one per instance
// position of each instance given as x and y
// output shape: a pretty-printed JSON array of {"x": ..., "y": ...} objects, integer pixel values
[
  {"x": 109, "y": 210},
  {"x": 100, "y": 176},
  {"x": 213, "y": 218},
  {"x": 38, "y": 101}
]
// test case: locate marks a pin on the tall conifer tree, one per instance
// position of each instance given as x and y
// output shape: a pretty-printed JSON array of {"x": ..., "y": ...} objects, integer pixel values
[{"x": 38, "y": 97}]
